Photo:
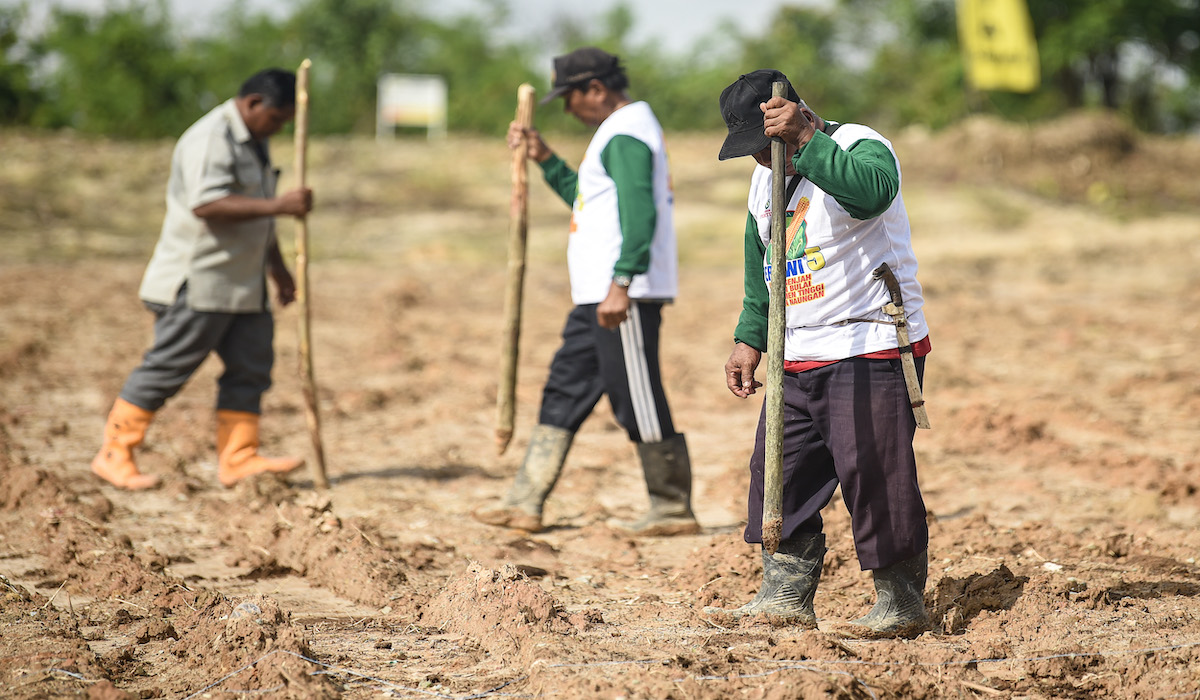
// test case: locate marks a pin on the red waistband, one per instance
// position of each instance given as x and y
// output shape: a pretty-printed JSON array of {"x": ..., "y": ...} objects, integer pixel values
[{"x": 920, "y": 349}]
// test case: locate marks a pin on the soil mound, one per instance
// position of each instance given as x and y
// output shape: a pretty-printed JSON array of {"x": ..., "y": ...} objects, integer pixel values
[
  {"x": 254, "y": 639},
  {"x": 501, "y": 609}
]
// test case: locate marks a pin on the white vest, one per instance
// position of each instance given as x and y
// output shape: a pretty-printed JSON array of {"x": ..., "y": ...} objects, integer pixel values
[
  {"x": 595, "y": 243},
  {"x": 829, "y": 269}
]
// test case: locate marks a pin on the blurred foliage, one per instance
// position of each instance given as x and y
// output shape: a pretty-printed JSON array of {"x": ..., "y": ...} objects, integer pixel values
[
  {"x": 132, "y": 71},
  {"x": 18, "y": 97},
  {"x": 115, "y": 73}
]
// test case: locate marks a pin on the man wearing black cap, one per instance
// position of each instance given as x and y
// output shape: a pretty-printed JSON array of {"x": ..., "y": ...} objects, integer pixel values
[
  {"x": 848, "y": 419},
  {"x": 622, "y": 262}
]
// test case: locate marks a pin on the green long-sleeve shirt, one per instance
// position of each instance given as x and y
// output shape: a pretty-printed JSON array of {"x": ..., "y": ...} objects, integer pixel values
[
  {"x": 863, "y": 179},
  {"x": 630, "y": 164}
]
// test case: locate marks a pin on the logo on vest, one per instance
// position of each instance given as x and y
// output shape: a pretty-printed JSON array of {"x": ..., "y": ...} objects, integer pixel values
[{"x": 802, "y": 260}]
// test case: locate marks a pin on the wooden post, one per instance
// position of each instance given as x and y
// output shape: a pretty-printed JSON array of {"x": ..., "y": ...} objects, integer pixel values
[
  {"x": 306, "y": 363},
  {"x": 772, "y": 513},
  {"x": 514, "y": 290}
]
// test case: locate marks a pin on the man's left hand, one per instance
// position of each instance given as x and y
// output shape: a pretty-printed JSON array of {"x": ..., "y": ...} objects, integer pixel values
[
  {"x": 794, "y": 123},
  {"x": 285, "y": 285},
  {"x": 739, "y": 370},
  {"x": 614, "y": 309}
]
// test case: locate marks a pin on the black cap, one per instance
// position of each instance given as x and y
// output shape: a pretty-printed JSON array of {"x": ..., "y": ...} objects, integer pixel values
[
  {"x": 580, "y": 66},
  {"x": 739, "y": 108}
]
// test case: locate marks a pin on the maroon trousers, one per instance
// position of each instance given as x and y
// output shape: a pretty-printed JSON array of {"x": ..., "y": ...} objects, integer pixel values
[{"x": 848, "y": 423}]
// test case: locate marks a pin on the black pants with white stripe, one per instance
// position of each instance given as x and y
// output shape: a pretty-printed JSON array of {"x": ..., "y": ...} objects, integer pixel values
[{"x": 623, "y": 364}]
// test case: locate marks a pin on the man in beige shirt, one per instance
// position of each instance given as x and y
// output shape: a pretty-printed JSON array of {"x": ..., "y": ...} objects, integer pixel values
[{"x": 206, "y": 282}]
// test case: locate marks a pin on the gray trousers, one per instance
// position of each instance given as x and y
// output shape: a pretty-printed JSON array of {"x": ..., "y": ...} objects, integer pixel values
[
  {"x": 847, "y": 424},
  {"x": 184, "y": 337}
]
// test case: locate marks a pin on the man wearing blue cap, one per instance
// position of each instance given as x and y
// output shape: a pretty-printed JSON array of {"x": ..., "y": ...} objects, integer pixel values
[
  {"x": 622, "y": 263},
  {"x": 848, "y": 417}
]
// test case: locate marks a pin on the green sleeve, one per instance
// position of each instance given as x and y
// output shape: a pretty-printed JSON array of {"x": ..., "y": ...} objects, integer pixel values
[
  {"x": 863, "y": 179},
  {"x": 630, "y": 163},
  {"x": 561, "y": 178},
  {"x": 752, "y": 324}
]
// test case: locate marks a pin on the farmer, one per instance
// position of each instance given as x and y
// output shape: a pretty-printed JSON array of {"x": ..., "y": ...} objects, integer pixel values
[
  {"x": 848, "y": 419},
  {"x": 206, "y": 286},
  {"x": 622, "y": 263}
]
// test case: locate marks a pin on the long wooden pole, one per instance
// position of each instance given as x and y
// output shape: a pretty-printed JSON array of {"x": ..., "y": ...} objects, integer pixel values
[
  {"x": 306, "y": 363},
  {"x": 772, "y": 514},
  {"x": 514, "y": 290}
]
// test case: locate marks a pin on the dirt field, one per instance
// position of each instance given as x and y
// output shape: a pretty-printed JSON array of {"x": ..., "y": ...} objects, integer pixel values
[{"x": 1062, "y": 282}]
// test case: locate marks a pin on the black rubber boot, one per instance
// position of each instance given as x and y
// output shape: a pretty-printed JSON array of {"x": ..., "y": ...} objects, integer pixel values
[
  {"x": 900, "y": 602},
  {"x": 521, "y": 508},
  {"x": 668, "y": 471},
  {"x": 790, "y": 579}
]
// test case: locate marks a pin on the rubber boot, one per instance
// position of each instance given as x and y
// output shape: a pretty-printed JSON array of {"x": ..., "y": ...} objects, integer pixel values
[
  {"x": 900, "y": 603},
  {"x": 668, "y": 472},
  {"x": 521, "y": 507},
  {"x": 124, "y": 430},
  {"x": 237, "y": 449},
  {"x": 790, "y": 578}
]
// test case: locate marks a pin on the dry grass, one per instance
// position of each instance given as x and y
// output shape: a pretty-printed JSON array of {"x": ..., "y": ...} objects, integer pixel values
[{"x": 65, "y": 197}]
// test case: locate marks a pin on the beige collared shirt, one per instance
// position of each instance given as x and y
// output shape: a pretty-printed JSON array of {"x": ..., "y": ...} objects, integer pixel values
[{"x": 223, "y": 262}]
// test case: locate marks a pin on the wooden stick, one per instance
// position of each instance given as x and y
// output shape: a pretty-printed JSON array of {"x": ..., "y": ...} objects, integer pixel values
[
  {"x": 772, "y": 514},
  {"x": 306, "y": 363},
  {"x": 518, "y": 227}
]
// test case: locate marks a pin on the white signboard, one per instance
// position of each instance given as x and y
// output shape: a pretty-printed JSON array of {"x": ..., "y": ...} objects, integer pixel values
[{"x": 411, "y": 100}]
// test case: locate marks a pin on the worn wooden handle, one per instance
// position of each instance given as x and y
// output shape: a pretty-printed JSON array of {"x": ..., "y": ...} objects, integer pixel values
[
  {"x": 514, "y": 288},
  {"x": 772, "y": 514},
  {"x": 308, "y": 377}
]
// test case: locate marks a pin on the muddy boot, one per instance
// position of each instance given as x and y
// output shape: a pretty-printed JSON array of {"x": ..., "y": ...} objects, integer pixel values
[
  {"x": 668, "y": 472},
  {"x": 900, "y": 603},
  {"x": 521, "y": 508},
  {"x": 124, "y": 430},
  {"x": 790, "y": 579},
  {"x": 237, "y": 449}
]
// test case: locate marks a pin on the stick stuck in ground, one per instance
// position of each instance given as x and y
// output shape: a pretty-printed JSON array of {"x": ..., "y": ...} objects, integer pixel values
[
  {"x": 518, "y": 227},
  {"x": 772, "y": 514},
  {"x": 308, "y": 378}
]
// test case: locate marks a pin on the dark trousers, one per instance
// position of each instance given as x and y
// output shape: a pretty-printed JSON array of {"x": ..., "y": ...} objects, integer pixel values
[
  {"x": 848, "y": 423},
  {"x": 183, "y": 338},
  {"x": 594, "y": 361}
]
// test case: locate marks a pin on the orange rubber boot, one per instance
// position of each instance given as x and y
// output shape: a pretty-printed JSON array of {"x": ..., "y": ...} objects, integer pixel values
[
  {"x": 237, "y": 447},
  {"x": 125, "y": 430}
]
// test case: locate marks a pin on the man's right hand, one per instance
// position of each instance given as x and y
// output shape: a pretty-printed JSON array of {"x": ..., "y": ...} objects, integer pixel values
[
  {"x": 793, "y": 122},
  {"x": 535, "y": 148},
  {"x": 297, "y": 202},
  {"x": 739, "y": 370},
  {"x": 239, "y": 207}
]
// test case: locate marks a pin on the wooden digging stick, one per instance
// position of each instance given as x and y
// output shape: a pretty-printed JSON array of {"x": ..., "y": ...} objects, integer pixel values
[
  {"x": 306, "y": 363},
  {"x": 772, "y": 513},
  {"x": 518, "y": 226}
]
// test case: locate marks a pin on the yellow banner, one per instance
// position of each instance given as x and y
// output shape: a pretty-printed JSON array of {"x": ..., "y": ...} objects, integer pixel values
[{"x": 998, "y": 45}]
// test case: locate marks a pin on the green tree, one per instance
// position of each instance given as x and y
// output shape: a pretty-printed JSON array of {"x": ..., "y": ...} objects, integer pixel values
[
  {"x": 352, "y": 42},
  {"x": 802, "y": 43},
  {"x": 682, "y": 90},
  {"x": 1115, "y": 53},
  {"x": 916, "y": 72},
  {"x": 18, "y": 97},
  {"x": 482, "y": 75},
  {"x": 117, "y": 73},
  {"x": 127, "y": 71},
  {"x": 240, "y": 44}
]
